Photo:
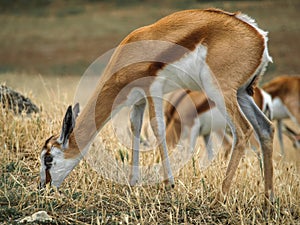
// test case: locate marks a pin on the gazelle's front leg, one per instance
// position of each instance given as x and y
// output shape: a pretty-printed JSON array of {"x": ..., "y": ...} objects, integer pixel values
[
  {"x": 158, "y": 126},
  {"x": 136, "y": 121}
]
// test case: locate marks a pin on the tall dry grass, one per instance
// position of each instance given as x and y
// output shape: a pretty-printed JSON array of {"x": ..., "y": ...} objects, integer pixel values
[{"x": 87, "y": 197}]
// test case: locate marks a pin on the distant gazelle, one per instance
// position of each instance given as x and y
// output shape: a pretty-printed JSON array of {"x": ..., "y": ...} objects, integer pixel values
[
  {"x": 222, "y": 53},
  {"x": 190, "y": 114},
  {"x": 285, "y": 92}
]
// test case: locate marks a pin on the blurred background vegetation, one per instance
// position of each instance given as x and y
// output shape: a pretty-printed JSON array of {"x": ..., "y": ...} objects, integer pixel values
[{"x": 63, "y": 37}]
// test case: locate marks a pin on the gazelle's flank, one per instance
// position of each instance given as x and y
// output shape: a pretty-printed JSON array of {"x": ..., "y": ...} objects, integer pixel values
[
  {"x": 224, "y": 53},
  {"x": 285, "y": 92}
]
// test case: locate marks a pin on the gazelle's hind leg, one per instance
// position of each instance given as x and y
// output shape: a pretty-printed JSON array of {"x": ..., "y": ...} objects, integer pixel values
[
  {"x": 265, "y": 132},
  {"x": 241, "y": 130},
  {"x": 156, "y": 115},
  {"x": 239, "y": 125},
  {"x": 136, "y": 121}
]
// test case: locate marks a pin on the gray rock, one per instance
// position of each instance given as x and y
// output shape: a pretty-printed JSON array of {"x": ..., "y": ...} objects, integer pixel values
[{"x": 15, "y": 101}]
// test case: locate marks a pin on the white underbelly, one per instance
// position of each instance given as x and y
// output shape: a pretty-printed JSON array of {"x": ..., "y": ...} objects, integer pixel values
[{"x": 184, "y": 73}]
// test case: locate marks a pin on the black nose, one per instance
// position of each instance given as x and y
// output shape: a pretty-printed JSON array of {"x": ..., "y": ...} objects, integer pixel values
[{"x": 48, "y": 161}]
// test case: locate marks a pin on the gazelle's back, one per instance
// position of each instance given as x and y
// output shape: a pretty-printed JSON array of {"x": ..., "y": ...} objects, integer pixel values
[{"x": 233, "y": 42}]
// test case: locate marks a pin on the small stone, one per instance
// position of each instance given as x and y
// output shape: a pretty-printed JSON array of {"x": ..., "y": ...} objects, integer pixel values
[{"x": 40, "y": 216}]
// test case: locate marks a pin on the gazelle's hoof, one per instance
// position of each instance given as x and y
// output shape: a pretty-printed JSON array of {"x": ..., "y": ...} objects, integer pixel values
[
  {"x": 133, "y": 183},
  {"x": 269, "y": 200},
  {"x": 218, "y": 200},
  {"x": 133, "y": 180},
  {"x": 169, "y": 184}
]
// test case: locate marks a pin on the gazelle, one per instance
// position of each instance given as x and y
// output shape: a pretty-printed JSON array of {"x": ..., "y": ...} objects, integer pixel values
[
  {"x": 285, "y": 92},
  {"x": 222, "y": 53},
  {"x": 193, "y": 114}
]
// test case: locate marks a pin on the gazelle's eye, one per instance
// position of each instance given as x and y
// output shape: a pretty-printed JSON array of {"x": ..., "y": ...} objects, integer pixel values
[{"x": 48, "y": 161}]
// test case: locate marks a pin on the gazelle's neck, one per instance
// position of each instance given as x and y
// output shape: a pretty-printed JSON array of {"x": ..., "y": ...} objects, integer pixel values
[{"x": 92, "y": 118}]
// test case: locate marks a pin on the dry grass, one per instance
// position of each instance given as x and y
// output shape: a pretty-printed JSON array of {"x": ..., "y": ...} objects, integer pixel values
[{"x": 88, "y": 198}]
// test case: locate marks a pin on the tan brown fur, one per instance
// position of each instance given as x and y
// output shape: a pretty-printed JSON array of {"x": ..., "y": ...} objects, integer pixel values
[
  {"x": 258, "y": 97},
  {"x": 52, "y": 141}
]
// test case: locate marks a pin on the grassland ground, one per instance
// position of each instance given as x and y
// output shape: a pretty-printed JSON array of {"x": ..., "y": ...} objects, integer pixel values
[
  {"x": 43, "y": 54},
  {"x": 87, "y": 197}
]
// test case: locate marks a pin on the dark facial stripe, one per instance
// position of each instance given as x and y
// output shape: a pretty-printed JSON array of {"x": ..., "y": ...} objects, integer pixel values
[{"x": 48, "y": 158}]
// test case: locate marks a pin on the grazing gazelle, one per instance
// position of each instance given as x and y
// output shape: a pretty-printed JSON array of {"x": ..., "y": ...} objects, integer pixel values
[
  {"x": 223, "y": 53},
  {"x": 190, "y": 114},
  {"x": 285, "y": 92}
]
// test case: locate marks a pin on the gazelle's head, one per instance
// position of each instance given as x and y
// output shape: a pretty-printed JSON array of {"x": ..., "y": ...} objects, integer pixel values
[{"x": 54, "y": 166}]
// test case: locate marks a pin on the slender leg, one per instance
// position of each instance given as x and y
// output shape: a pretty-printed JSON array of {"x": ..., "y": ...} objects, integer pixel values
[
  {"x": 208, "y": 145},
  {"x": 280, "y": 138},
  {"x": 193, "y": 134},
  {"x": 158, "y": 125},
  {"x": 265, "y": 132},
  {"x": 241, "y": 130},
  {"x": 239, "y": 125},
  {"x": 136, "y": 120}
]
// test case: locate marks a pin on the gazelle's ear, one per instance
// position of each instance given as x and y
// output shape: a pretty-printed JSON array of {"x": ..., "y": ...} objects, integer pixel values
[{"x": 68, "y": 125}]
